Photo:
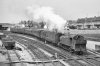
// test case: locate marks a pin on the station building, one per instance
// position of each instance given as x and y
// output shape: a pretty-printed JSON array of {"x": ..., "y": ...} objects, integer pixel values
[
  {"x": 86, "y": 23},
  {"x": 5, "y": 26}
]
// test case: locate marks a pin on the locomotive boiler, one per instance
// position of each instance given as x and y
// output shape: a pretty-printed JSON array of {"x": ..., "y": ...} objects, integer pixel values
[{"x": 72, "y": 43}]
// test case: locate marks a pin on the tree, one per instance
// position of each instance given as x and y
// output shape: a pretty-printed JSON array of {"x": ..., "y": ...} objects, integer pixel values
[{"x": 42, "y": 24}]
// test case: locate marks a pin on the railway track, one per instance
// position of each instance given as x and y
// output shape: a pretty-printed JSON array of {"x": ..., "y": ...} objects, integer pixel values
[
  {"x": 94, "y": 52},
  {"x": 39, "y": 55},
  {"x": 42, "y": 59},
  {"x": 25, "y": 48},
  {"x": 37, "y": 59},
  {"x": 13, "y": 58},
  {"x": 33, "y": 45},
  {"x": 73, "y": 60},
  {"x": 89, "y": 60},
  {"x": 93, "y": 59}
]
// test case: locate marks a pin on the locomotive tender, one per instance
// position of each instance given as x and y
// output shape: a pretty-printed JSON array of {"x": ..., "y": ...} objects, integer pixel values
[{"x": 72, "y": 43}]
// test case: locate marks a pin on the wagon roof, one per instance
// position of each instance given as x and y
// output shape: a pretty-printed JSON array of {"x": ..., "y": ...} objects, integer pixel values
[{"x": 35, "y": 29}]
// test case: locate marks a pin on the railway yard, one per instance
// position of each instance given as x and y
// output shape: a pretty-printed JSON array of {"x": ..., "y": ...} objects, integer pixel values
[
  {"x": 34, "y": 52},
  {"x": 49, "y": 33}
]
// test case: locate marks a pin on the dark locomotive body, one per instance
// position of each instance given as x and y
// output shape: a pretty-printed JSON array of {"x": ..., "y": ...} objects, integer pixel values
[{"x": 73, "y": 43}]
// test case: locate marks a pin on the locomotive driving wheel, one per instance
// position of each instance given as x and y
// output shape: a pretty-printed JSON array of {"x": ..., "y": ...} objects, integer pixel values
[
  {"x": 79, "y": 52},
  {"x": 71, "y": 50}
]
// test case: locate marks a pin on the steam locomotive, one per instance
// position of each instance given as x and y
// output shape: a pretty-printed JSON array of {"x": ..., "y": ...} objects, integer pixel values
[{"x": 73, "y": 43}]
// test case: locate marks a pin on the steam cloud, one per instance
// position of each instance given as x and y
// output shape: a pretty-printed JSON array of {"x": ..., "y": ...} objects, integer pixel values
[{"x": 47, "y": 15}]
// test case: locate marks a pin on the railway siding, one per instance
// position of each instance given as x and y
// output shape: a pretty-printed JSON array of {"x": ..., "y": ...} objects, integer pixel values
[
  {"x": 88, "y": 60},
  {"x": 12, "y": 55},
  {"x": 24, "y": 54},
  {"x": 44, "y": 62},
  {"x": 53, "y": 52}
]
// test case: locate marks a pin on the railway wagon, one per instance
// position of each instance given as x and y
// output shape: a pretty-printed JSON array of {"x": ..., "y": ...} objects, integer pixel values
[
  {"x": 8, "y": 43},
  {"x": 17, "y": 30},
  {"x": 27, "y": 31},
  {"x": 20, "y": 30},
  {"x": 14, "y": 30},
  {"x": 36, "y": 32},
  {"x": 73, "y": 43},
  {"x": 2, "y": 35},
  {"x": 33, "y": 32},
  {"x": 51, "y": 36}
]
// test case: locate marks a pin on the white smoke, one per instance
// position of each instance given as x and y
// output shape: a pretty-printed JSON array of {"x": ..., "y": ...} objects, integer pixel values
[{"x": 47, "y": 15}]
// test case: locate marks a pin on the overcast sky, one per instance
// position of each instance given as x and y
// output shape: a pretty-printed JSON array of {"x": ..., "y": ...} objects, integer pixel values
[{"x": 14, "y": 10}]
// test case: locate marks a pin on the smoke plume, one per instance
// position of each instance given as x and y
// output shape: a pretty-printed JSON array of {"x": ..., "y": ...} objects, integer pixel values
[{"x": 47, "y": 15}]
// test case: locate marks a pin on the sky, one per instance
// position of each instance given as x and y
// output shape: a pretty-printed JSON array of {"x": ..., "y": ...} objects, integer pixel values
[{"x": 13, "y": 11}]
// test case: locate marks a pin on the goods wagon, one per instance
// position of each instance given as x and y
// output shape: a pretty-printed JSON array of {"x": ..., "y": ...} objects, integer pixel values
[
  {"x": 2, "y": 35},
  {"x": 8, "y": 43},
  {"x": 51, "y": 36}
]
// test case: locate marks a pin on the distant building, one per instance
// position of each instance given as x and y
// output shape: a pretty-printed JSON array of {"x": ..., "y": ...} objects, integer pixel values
[
  {"x": 86, "y": 23},
  {"x": 6, "y": 24}
]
